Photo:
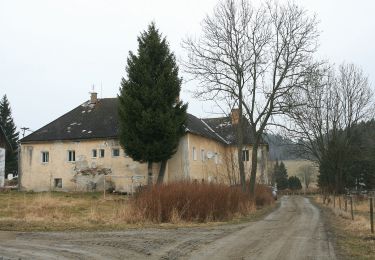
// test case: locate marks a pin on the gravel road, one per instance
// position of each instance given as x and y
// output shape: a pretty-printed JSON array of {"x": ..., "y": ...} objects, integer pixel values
[{"x": 294, "y": 231}]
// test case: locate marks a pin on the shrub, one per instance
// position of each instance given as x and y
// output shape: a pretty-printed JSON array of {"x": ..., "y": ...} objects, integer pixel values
[
  {"x": 263, "y": 195},
  {"x": 191, "y": 202}
]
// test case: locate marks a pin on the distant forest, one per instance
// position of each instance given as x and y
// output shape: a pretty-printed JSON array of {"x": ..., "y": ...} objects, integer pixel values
[{"x": 281, "y": 148}]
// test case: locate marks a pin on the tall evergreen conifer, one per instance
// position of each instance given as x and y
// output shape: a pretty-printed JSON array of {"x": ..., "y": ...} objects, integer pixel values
[
  {"x": 151, "y": 116},
  {"x": 7, "y": 122},
  {"x": 282, "y": 177}
]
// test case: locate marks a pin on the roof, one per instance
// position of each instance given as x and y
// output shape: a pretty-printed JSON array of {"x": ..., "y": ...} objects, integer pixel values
[
  {"x": 100, "y": 120},
  {"x": 86, "y": 121},
  {"x": 223, "y": 126}
]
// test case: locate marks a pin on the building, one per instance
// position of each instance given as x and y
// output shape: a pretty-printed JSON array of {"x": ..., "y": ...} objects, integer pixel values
[
  {"x": 4, "y": 145},
  {"x": 81, "y": 151}
]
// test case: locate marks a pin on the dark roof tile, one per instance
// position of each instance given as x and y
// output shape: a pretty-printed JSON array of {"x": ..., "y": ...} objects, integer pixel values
[{"x": 100, "y": 120}]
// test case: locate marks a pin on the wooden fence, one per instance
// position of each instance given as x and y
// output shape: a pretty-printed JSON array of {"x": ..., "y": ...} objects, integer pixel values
[{"x": 351, "y": 203}]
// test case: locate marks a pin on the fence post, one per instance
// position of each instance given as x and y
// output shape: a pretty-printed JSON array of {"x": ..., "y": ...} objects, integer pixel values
[
  {"x": 372, "y": 215},
  {"x": 346, "y": 203},
  {"x": 334, "y": 200},
  {"x": 351, "y": 207},
  {"x": 104, "y": 187}
]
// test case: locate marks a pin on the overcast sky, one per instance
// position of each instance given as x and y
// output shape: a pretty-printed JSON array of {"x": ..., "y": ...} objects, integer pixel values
[{"x": 52, "y": 52}]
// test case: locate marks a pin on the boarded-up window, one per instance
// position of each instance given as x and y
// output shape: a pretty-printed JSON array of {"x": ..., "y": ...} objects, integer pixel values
[{"x": 58, "y": 183}]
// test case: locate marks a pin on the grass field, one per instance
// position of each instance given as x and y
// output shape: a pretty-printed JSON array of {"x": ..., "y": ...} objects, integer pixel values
[
  {"x": 295, "y": 168},
  {"x": 63, "y": 211},
  {"x": 57, "y": 211}
]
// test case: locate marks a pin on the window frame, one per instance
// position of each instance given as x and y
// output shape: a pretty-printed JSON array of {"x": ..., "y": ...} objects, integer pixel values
[
  {"x": 245, "y": 155},
  {"x": 44, "y": 155},
  {"x": 194, "y": 153},
  {"x": 101, "y": 155},
  {"x": 203, "y": 155},
  {"x": 113, "y": 152},
  {"x": 57, "y": 183},
  {"x": 71, "y": 156},
  {"x": 94, "y": 156}
]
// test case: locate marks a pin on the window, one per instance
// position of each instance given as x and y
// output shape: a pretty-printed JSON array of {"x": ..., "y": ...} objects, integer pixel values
[
  {"x": 245, "y": 155},
  {"x": 115, "y": 152},
  {"x": 71, "y": 156},
  {"x": 45, "y": 157},
  {"x": 58, "y": 183},
  {"x": 202, "y": 155},
  {"x": 101, "y": 153},
  {"x": 194, "y": 154},
  {"x": 94, "y": 153},
  {"x": 216, "y": 158}
]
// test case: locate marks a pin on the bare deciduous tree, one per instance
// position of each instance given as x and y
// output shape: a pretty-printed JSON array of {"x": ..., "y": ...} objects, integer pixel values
[
  {"x": 253, "y": 56},
  {"x": 330, "y": 104}
]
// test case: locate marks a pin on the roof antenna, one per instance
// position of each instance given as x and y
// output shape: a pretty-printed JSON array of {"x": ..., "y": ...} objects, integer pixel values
[{"x": 101, "y": 90}]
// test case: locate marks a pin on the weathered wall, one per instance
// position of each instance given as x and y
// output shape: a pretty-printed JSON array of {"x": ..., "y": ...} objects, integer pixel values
[
  {"x": 179, "y": 165},
  {"x": 212, "y": 166},
  {"x": 231, "y": 163},
  {"x": 78, "y": 175},
  {"x": 219, "y": 164}
]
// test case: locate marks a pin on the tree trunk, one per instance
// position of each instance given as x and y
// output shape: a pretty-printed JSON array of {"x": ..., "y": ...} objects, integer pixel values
[
  {"x": 149, "y": 171},
  {"x": 163, "y": 166},
  {"x": 240, "y": 146},
  {"x": 253, "y": 171}
]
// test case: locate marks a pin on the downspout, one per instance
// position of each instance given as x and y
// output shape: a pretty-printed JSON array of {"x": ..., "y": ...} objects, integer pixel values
[{"x": 19, "y": 167}]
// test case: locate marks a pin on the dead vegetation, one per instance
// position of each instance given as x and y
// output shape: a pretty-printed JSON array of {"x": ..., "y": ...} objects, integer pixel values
[
  {"x": 176, "y": 203},
  {"x": 353, "y": 237},
  {"x": 195, "y": 202}
]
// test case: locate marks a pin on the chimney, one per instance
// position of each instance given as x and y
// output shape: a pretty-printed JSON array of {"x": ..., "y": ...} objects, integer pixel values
[
  {"x": 94, "y": 98},
  {"x": 235, "y": 116}
]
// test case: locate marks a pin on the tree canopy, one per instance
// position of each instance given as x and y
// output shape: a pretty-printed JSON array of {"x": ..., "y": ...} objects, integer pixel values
[
  {"x": 280, "y": 176},
  {"x": 10, "y": 129},
  {"x": 151, "y": 116},
  {"x": 294, "y": 183}
]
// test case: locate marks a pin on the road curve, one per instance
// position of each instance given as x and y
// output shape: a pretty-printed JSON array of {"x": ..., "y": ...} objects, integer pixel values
[{"x": 294, "y": 231}]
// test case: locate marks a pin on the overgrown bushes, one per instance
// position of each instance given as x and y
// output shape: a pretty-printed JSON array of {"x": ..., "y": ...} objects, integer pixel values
[{"x": 196, "y": 202}]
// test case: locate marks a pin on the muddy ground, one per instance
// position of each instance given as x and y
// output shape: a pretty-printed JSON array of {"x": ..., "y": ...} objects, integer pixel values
[{"x": 294, "y": 231}]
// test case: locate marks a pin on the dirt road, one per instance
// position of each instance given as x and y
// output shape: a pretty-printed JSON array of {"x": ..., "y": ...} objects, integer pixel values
[{"x": 294, "y": 231}]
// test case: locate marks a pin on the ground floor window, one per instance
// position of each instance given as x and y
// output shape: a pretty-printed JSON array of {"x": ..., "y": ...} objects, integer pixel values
[{"x": 58, "y": 183}]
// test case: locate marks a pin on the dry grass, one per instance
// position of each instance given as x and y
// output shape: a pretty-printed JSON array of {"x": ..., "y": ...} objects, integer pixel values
[
  {"x": 63, "y": 211},
  {"x": 353, "y": 237},
  {"x": 199, "y": 202},
  {"x": 27, "y": 211}
]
